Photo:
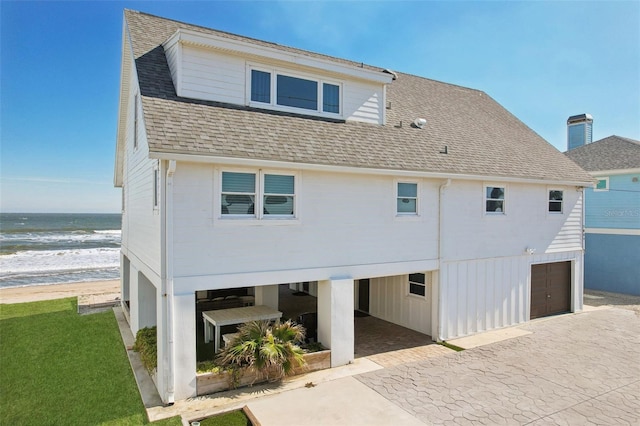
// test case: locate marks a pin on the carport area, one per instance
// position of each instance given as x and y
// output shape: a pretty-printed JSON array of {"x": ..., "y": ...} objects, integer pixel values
[{"x": 381, "y": 341}]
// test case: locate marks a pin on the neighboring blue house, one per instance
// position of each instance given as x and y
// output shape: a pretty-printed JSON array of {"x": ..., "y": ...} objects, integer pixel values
[{"x": 612, "y": 214}]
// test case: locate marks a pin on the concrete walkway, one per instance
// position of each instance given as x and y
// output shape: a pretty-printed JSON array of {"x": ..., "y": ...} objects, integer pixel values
[{"x": 580, "y": 369}]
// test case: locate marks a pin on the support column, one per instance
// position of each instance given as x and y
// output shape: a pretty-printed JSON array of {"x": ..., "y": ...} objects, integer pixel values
[
  {"x": 134, "y": 301},
  {"x": 435, "y": 306},
  {"x": 267, "y": 295},
  {"x": 335, "y": 319},
  {"x": 184, "y": 317}
]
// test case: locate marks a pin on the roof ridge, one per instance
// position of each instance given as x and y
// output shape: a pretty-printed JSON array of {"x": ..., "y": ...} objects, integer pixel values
[
  {"x": 620, "y": 138},
  {"x": 258, "y": 40}
]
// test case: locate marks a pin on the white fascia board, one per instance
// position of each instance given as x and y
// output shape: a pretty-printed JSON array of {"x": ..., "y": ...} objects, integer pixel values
[
  {"x": 126, "y": 68},
  {"x": 247, "y": 48},
  {"x": 249, "y": 162},
  {"x": 604, "y": 173}
]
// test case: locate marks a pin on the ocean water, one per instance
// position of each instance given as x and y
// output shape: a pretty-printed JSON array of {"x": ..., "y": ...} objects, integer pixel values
[{"x": 50, "y": 248}]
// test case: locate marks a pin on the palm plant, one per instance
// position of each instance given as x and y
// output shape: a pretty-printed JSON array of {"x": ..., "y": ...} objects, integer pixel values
[{"x": 272, "y": 350}]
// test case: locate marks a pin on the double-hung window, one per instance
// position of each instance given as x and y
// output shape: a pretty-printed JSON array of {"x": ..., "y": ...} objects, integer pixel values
[
  {"x": 238, "y": 194},
  {"x": 417, "y": 285},
  {"x": 407, "y": 198},
  {"x": 257, "y": 195},
  {"x": 288, "y": 91},
  {"x": 279, "y": 195},
  {"x": 555, "y": 201},
  {"x": 494, "y": 199}
]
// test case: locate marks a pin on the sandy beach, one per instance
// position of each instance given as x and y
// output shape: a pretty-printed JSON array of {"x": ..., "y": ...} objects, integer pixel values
[{"x": 56, "y": 291}]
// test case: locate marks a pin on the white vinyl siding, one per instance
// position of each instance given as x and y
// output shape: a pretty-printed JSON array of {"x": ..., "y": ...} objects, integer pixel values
[
  {"x": 212, "y": 76},
  {"x": 470, "y": 233},
  {"x": 332, "y": 227},
  {"x": 140, "y": 223},
  {"x": 200, "y": 73}
]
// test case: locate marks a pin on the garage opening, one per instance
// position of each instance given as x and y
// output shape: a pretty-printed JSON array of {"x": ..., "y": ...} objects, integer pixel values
[{"x": 550, "y": 289}]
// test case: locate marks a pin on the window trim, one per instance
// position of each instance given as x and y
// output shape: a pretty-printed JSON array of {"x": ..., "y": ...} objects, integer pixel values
[
  {"x": 263, "y": 194},
  {"x": 258, "y": 217},
  {"x": 272, "y": 104},
  {"x": 397, "y": 183},
  {"x": 606, "y": 186},
  {"x": 136, "y": 118},
  {"x": 424, "y": 285},
  {"x": 155, "y": 200},
  {"x": 485, "y": 199},
  {"x": 549, "y": 201}
]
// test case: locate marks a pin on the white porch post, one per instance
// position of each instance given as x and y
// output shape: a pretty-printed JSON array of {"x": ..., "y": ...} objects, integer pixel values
[
  {"x": 134, "y": 301},
  {"x": 184, "y": 345},
  {"x": 335, "y": 319},
  {"x": 267, "y": 295},
  {"x": 435, "y": 306}
]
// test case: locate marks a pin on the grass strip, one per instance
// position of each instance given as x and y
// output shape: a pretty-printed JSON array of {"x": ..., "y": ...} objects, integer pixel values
[
  {"x": 232, "y": 418},
  {"x": 58, "y": 367},
  {"x": 451, "y": 346}
]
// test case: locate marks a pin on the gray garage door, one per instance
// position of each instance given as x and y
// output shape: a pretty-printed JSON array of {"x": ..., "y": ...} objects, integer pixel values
[{"x": 550, "y": 289}]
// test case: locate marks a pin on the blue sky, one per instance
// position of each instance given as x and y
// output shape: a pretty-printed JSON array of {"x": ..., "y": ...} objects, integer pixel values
[{"x": 60, "y": 71}]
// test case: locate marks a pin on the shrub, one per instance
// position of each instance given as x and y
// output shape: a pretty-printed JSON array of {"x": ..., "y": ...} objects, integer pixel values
[
  {"x": 273, "y": 351},
  {"x": 147, "y": 346}
]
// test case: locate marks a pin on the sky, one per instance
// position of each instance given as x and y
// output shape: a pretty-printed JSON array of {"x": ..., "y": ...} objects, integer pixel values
[{"x": 60, "y": 71}]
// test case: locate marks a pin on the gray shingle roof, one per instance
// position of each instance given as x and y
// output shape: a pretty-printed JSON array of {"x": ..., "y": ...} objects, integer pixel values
[
  {"x": 482, "y": 137},
  {"x": 610, "y": 153}
]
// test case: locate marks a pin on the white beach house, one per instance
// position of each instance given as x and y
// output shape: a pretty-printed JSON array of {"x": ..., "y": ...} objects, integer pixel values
[{"x": 245, "y": 164}]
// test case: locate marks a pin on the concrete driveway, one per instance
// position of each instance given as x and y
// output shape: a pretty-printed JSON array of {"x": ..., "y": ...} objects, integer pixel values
[{"x": 573, "y": 369}]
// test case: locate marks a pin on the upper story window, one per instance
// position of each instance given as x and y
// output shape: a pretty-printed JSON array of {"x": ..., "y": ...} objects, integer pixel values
[
  {"x": 555, "y": 201},
  {"x": 417, "y": 285},
  {"x": 260, "y": 86},
  {"x": 407, "y": 198},
  {"x": 495, "y": 199},
  {"x": 294, "y": 92},
  {"x": 602, "y": 184},
  {"x": 238, "y": 193},
  {"x": 257, "y": 195},
  {"x": 279, "y": 194}
]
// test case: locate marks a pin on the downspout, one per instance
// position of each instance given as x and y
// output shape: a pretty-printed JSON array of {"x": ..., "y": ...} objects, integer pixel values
[
  {"x": 444, "y": 186},
  {"x": 168, "y": 293}
]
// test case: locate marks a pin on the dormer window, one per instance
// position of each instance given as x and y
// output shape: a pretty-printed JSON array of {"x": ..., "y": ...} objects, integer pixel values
[{"x": 294, "y": 92}]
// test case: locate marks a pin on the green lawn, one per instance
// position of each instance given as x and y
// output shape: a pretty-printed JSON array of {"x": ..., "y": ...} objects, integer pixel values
[{"x": 57, "y": 367}]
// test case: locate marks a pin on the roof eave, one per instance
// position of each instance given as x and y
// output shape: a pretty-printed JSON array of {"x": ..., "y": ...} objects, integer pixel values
[
  {"x": 251, "y": 162},
  {"x": 186, "y": 36}
]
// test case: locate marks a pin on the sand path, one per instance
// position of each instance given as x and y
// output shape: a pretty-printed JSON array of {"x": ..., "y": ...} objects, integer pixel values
[{"x": 56, "y": 291}]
